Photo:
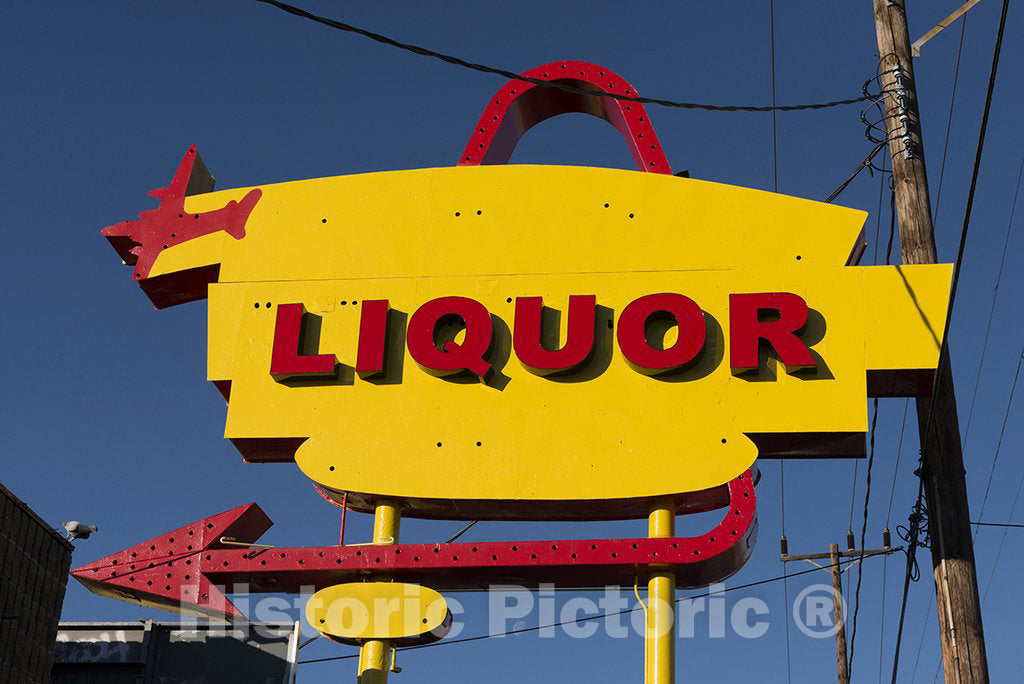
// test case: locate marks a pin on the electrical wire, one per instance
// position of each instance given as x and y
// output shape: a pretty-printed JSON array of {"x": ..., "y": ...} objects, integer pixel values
[
  {"x": 992, "y": 524},
  {"x": 865, "y": 163},
  {"x": 999, "y": 551},
  {"x": 870, "y": 127},
  {"x": 892, "y": 221},
  {"x": 782, "y": 461},
  {"x": 881, "y": 618},
  {"x": 944, "y": 348},
  {"x": 785, "y": 581},
  {"x": 912, "y": 537},
  {"x": 925, "y": 625},
  {"x": 949, "y": 121},
  {"x": 587, "y": 618},
  {"x": 462, "y": 531},
  {"x": 961, "y": 247},
  {"x": 935, "y": 218},
  {"x": 863, "y": 534},
  {"x": 853, "y": 488},
  {"x": 425, "y": 52},
  {"x": 924, "y": 630},
  {"x": 896, "y": 468},
  {"x": 878, "y": 214},
  {"x": 988, "y": 330},
  {"x": 853, "y": 494},
  {"x": 775, "y": 133},
  {"x": 975, "y": 172},
  {"x": 1002, "y": 431},
  {"x": 885, "y": 560}
]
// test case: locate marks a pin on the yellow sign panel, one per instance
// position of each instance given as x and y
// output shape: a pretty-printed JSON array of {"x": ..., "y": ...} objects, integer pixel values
[{"x": 606, "y": 435}]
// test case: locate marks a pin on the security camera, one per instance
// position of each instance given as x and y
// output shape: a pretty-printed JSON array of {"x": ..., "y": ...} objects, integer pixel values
[{"x": 78, "y": 530}]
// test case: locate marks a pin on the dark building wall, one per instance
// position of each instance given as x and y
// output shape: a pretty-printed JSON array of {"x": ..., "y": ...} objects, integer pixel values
[
  {"x": 34, "y": 564},
  {"x": 148, "y": 652}
]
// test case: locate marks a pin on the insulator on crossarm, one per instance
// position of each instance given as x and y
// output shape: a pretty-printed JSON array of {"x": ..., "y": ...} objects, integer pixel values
[
  {"x": 886, "y": 539},
  {"x": 850, "y": 543},
  {"x": 783, "y": 545}
]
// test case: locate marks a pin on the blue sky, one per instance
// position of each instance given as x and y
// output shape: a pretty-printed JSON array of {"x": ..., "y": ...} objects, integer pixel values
[{"x": 107, "y": 418}]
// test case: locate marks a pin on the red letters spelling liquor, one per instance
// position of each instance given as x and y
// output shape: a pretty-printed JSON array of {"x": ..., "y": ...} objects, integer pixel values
[
  {"x": 771, "y": 319},
  {"x": 287, "y": 361},
  {"x": 787, "y": 317},
  {"x": 528, "y": 332},
  {"x": 373, "y": 331},
  {"x": 640, "y": 313}
]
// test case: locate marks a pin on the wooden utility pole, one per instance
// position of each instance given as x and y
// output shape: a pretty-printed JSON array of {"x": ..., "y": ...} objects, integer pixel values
[
  {"x": 839, "y": 619},
  {"x": 956, "y": 584},
  {"x": 838, "y": 616}
]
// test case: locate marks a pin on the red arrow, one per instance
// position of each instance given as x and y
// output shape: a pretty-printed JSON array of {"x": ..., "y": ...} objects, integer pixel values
[
  {"x": 187, "y": 569},
  {"x": 165, "y": 572}
]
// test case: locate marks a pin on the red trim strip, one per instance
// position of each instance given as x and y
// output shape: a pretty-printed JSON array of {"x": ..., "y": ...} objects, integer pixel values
[{"x": 497, "y": 133}]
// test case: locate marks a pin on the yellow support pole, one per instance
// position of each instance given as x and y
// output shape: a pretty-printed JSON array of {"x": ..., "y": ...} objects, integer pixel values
[
  {"x": 362, "y": 659},
  {"x": 659, "y": 637},
  {"x": 373, "y": 654}
]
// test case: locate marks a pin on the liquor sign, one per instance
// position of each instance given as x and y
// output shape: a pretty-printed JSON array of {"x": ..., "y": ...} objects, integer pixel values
[{"x": 489, "y": 341}]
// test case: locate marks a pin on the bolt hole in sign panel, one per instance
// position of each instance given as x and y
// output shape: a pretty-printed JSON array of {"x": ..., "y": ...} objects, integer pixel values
[{"x": 536, "y": 342}]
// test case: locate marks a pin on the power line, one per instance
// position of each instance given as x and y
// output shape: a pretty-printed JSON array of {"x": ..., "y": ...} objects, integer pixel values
[
  {"x": 974, "y": 173},
  {"x": 878, "y": 213},
  {"x": 462, "y": 531},
  {"x": 782, "y": 461},
  {"x": 775, "y": 135},
  {"x": 991, "y": 524},
  {"x": 1002, "y": 431},
  {"x": 879, "y": 141},
  {"x": 881, "y": 618},
  {"x": 988, "y": 325},
  {"x": 892, "y": 221},
  {"x": 863, "y": 534},
  {"x": 853, "y": 494},
  {"x": 913, "y": 532},
  {"x": 999, "y": 551},
  {"x": 874, "y": 422},
  {"x": 865, "y": 163},
  {"x": 785, "y": 580},
  {"x": 924, "y": 631},
  {"x": 944, "y": 348},
  {"x": 871, "y": 457},
  {"x": 425, "y": 52},
  {"x": 587, "y": 618},
  {"x": 1006, "y": 528},
  {"x": 899, "y": 445},
  {"x": 949, "y": 120},
  {"x": 896, "y": 468}
]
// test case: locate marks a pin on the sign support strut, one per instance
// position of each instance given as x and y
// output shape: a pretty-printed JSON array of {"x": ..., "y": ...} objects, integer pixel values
[
  {"x": 373, "y": 654},
  {"x": 659, "y": 640}
]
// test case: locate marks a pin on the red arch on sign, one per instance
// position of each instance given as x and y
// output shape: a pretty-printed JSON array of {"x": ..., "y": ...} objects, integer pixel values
[{"x": 520, "y": 105}]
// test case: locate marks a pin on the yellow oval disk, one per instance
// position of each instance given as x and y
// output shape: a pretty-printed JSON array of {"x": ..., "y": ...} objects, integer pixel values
[{"x": 409, "y": 613}]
